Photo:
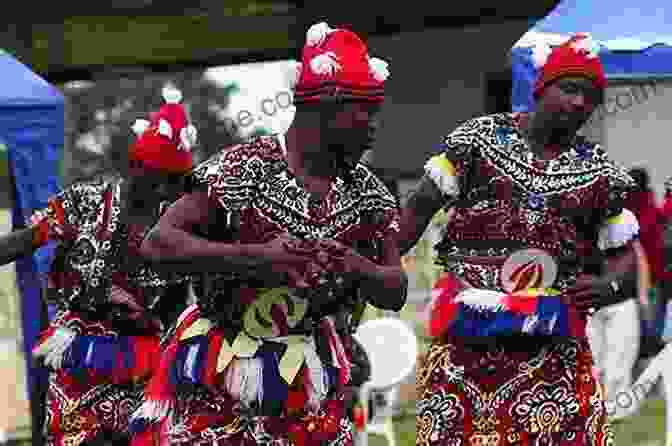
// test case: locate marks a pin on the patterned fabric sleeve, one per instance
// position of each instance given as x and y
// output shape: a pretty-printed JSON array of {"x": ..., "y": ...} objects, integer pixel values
[
  {"x": 450, "y": 168},
  {"x": 231, "y": 177},
  {"x": 619, "y": 225},
  {"x": 197, "y": 180},
  {"x": 60, "y": 219}
]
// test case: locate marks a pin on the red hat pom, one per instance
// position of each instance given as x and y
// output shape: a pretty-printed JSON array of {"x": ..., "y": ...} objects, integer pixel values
[
  {"x": 165, "y": 141},
  {"x": 336, "y": 63}
]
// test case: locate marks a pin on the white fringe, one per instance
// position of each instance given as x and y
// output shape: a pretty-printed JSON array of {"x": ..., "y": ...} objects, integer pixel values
[
  {"x": 318, "y": 376},
  {"x": 152, "y": 411},
  {"x": 251, "y": 381},
  {"x": 481, "y": 299},
  {"x": 53, "y": 348}
]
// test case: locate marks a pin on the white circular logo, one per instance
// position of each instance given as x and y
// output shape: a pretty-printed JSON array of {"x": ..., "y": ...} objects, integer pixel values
[{"x": 528, "y": 269}]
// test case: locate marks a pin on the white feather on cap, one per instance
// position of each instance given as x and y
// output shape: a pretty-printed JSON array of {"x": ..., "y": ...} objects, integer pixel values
[
  {"x": 171, "y": 94},
  {"x": 188, "y": 137},
  {"x": 326, "y": 63},
  {"x": 318, "y": 33},
  {"x": 140, "y": 126},
  {"x": 540, "y": 53},
  {"x": 586, "y": 45},
  {"x": 379, "y": 69},
  {"x": 165, "y": 129}
]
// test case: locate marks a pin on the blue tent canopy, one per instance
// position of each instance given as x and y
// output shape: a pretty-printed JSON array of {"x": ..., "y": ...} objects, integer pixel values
[
  {"x": 32, "y": 129},
  {"x": 621, "y": 58}
]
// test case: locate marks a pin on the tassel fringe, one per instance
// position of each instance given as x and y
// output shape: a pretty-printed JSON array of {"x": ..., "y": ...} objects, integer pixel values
[{"x": 446, "y": 182}]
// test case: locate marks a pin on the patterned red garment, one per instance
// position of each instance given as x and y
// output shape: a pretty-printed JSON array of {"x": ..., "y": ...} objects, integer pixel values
[
  {"x": 525, "y": 390},
  {"x": 254, "y": 197},
  {"x": 504, "y": 396},
  {"x": 96, "y": 390}
]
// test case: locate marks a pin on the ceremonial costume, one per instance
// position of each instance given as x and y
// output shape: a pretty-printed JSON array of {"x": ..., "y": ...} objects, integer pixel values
[
  {"x": 253, "y": 365},
  {"x": 99, "y": 356},
  {"x": 507, "y": 370}
]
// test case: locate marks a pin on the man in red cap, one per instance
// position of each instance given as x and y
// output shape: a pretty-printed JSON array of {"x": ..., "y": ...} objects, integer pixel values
[
  {"x": 521, "y": 183},
  {"x": 303, "y": 236},
  {"x": 103, "y": 343}
]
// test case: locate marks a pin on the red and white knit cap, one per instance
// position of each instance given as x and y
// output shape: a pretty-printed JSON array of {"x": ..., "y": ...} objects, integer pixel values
[
  {"x": 336, "y": 64},
  {"x": 576, "y": 57},
  {"x": 166, "y": 139}
]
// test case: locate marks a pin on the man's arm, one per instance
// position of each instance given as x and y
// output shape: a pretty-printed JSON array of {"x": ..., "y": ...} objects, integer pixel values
[
  {"x": 172, "y": 245},
  {"x": 425, "y": 201},
  {"x": 386, "y": 285},
  {"x": 17, "y": 244}
]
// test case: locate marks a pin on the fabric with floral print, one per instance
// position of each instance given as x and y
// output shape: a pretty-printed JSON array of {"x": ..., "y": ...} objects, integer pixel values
[{"x": 500, "y": 396}]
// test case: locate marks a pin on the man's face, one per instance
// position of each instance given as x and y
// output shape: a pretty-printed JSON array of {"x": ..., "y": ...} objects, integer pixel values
[
  {"x": 352, "y": 126},
  {"x": 566, "y": 104}
]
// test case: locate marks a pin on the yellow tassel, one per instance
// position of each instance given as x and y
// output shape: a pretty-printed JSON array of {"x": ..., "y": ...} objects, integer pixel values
[{"x": 200, "y": 327}]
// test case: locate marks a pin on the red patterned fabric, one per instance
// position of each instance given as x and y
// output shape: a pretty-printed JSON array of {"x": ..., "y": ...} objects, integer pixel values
[{"x": 497, "y": 396}]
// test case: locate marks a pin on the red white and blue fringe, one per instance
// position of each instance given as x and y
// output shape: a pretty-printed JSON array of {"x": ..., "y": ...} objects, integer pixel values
[
  {"x": 122, "y": 359},
  {"x": 472, "y": 312},
  {"x": 252, "y": 380}
]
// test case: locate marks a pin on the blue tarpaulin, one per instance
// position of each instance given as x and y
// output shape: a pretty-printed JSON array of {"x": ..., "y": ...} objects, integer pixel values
[
  {"x": 621, "y": 58},
  {"x": 32, "y": 128}
]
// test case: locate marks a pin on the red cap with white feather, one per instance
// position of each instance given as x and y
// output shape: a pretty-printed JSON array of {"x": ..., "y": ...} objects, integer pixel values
[
  {"x": 165, "y": 141},
  {"x": 336, "y": 64}
]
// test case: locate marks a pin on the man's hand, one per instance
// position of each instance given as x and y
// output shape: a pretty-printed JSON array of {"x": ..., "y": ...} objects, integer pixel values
[
  {"x": 590, "y": 292},
  {"x": 296, "y": 259},
  {"x": 343, "y": 259},
  {"x": 136, "y": 312}
]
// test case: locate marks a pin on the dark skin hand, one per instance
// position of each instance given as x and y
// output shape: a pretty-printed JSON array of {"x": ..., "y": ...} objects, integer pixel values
[
  {"x": 425, "y": 201},
  {"x": 385, "y": 284},
  {"x": 594, "y": 292}
]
